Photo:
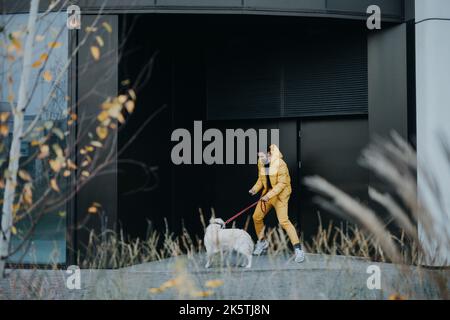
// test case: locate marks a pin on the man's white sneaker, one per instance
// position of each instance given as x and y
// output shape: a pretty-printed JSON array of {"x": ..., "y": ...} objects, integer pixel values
[
  {"x": 299, "y": 255},
  {"x": 260, "y": 247}
]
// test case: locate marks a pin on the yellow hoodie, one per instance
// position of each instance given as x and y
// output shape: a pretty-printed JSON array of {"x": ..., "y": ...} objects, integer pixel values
[{"x": 278, "y": 175}]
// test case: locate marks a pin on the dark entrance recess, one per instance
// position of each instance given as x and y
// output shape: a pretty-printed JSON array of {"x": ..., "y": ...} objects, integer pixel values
[{"x": 239, "y": 72}]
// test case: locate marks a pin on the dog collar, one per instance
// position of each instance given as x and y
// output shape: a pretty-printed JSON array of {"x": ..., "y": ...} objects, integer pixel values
[{"x": 218, "y": 224}]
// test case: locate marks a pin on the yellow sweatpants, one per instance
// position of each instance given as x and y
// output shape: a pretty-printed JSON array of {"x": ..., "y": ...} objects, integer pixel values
[{"x": 281, "y": 208}]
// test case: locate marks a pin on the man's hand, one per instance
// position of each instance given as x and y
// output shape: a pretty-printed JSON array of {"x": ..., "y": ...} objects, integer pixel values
[
  {"x": 265, "y": 198},
  {"x": 252, "y": 192}
]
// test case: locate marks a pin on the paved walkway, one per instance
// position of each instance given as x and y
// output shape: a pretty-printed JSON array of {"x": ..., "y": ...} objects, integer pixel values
[{"x": 319, "y": 277}]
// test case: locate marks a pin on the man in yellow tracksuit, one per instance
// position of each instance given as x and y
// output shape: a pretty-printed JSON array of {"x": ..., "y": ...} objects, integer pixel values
[{"x": 275, "y": 183}]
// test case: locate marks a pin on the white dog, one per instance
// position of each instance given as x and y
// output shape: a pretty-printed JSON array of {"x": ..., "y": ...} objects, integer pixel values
[{"x": 218, "y": 239}]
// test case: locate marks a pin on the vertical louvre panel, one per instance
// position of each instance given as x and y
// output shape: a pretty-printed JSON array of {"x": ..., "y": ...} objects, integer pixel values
[
  {"x": 327, "y": 78},
  {"x": 323, "y": 74},
  {"x": 243, "y": 83}
]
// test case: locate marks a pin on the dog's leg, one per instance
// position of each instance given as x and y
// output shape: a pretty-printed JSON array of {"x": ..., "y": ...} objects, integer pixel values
[
  {"x": 242, "y": 256},
  {"x": 208, "y": 260},
  {"x": 221, "y": 257},
  {"x": 249, "y": 261}
]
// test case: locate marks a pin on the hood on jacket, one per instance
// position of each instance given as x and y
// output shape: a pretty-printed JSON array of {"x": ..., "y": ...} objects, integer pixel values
[
  {"x": 275, "y": 161},
  {"x": 275, "y": 152}
]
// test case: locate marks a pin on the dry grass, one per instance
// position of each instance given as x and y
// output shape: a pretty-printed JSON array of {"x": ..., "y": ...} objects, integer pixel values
[
  {"x": 118, "y": 251},
  {"x": 352, "y": 240},
  {"x": 424, "y": 232}
]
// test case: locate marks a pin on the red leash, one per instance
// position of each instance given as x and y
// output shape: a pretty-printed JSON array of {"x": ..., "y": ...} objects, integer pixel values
[{"x": 263, "y": 207}]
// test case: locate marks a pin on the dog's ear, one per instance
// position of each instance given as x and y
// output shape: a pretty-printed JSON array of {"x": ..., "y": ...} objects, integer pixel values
[{"x": 212, "y": 220}]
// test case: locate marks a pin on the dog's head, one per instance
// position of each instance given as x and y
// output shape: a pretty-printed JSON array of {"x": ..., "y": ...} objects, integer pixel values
[{"x": 217, "y": 221}]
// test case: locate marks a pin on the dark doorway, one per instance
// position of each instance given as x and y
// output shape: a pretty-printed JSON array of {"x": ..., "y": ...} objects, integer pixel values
[{"x": 330, "y": 148}]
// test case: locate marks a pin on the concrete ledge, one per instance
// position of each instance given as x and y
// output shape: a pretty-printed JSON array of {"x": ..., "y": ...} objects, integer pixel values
[{"x": 319, "y": 277}]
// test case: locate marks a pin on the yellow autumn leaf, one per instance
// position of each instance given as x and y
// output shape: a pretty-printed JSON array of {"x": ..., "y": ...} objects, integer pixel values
[
  {"x": 57, "y": 149},
  {"x": 90, "y": 29},
  {"x": 59, "y": 133},
  {"x": 62, "y": 214},
  {"x": 44, "y": 151},
  {"x": 92, "y": 209},
  {"x": 47, "y": 75},
  {"x": 13, "y": 230},
  {"x": 107, "y": 104},
  {"x": 16, "y": 44},
  {"x": 66, "y": 173},
  {"x": 132, "y": 94},
  {"x": 54, "y": 185},
  {"x": 24, "y": 175},
  {"x": 122, "y": 98},
  {"x": 103, "y": 116},
  {"x": 89, "y": 148},
  {"x": 16, "y": 207},
  {"x": 202, "y": 294},
  {"x": 120, "y": 118},
  {"x": 43, "y": 57},
  {"x": 214, "y": 283},
  {"x": 97, "y": 144},
  {"x": 28, "y": 194},
  {"x": 55, "y": 165},
  {"x": 36, "y": 64},
  {"x": 102, "y": 132},
  {"x": 170, "y": 283},
  {"x": 115, "y": 110},
  {"x": 4, "y": 116},
  {"x": 100, "y": 41},
  {"x": 4, "y": 130},
  {"x": 396, "y": 296},
  {"x": 54, "y": 44},
  {"x": 155, "y": 290},
  {"x": 129, "y": 105},
  {"x": 85, "y": 173},
  {"x": 71, "y": 165},
  {"x": 95, "y": 52},
  {"x": 107, "y": 27}
]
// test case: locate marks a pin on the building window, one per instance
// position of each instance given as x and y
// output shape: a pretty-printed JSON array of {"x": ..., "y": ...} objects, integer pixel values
[{"x": 40, "y": 232}]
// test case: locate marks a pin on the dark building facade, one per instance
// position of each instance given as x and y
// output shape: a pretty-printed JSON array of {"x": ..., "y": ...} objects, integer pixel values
[{"x": 311, "y": 69}]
